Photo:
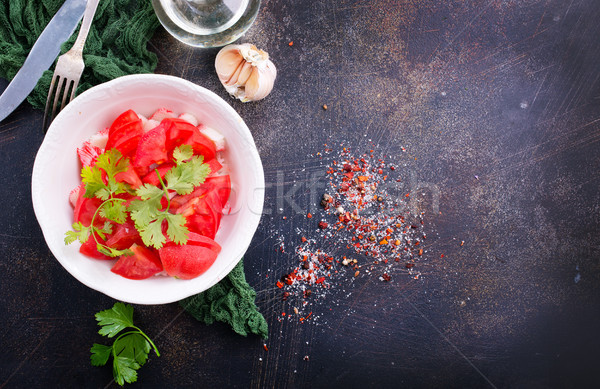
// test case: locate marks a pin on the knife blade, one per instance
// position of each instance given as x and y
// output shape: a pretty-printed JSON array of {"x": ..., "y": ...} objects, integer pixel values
[{"x": 42, "y": 55}]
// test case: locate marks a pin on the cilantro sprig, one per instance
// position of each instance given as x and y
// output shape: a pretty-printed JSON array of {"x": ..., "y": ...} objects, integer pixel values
[
  {"x": 149, "y": 214},
  {"x": 100, "y": 182},
  {"x": 129, "y": 350}
]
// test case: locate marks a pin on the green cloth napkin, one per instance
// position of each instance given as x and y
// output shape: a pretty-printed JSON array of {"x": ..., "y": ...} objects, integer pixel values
[{"x": 116, "y": 46}]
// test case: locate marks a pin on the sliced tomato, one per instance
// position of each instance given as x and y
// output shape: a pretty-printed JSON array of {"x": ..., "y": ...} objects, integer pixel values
[
  {"x": 178, "y": 132},
  {"x": 214, "y": 166},
  {"x": 124, "y": 235},
  {"x": 221, "y": 185},
  {"x": 199, "y": 240},
  {"x": 90, "y": 248},
  {"x": 144, "y": 263},
  {"x": 188, "y": 261},
  {"x": 124, "y": 118},
  {"x": 181, "y": 132},
  {"x": 126, "y": 138},
  {"x": 202, "y": 214},
  {"x": 85, "y": 208},
  {"x": 203, "y": 145},
  {"x": 218, "y": 184},
  {"x": 152, "y": 178},
  {"x": 152, "y": 147},
  {"x": 129, "y": 176}
]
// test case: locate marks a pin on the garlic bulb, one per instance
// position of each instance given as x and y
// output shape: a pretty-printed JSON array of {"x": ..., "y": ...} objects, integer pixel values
[{"x": 245, "y": 71}]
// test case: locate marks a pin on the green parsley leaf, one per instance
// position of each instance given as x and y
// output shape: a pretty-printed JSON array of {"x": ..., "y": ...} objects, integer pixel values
[
  {"x": 100, "y": 354},
  {"x": 130, "y": 349},
  {"x": 176, "y": 229},
  {"x": 112, "y": 162},
  {"x": 112, "y": 252},
  {"x": 107, "y": 166},
  {"x": 124, "y": 370},
  {"x": 80, "y": 232},
  {"x": 115, "y": 211},
  {"x": 151, "y": 233},
  {"x": 92, "y": 179},
  {"x": 187, "y": 175},
  {"x": 113, "y": 320},
  {"x": 182, "y": 153},
  {"x": 134, "y": 346}
]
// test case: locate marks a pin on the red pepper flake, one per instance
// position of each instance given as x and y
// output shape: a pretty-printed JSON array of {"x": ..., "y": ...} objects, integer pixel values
[
  {"x": 323, "y": 224},
  {"x": 303, "y": 239},
  {"x": 265, "y": 347},
  {"x": 279, "y": 284},
  {"x": 386, "y": 277},
  {"x": 320, "y": 280},
  {"x": 291, "y": 43},
  {"x": 309, "y": 215},
  {"x": 442, "y": 256}
]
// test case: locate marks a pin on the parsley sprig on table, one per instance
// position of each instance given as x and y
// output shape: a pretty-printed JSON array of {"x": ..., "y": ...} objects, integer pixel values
[
  {"x": 129, "y": 350},
  {"x": 148, "y": 213}
]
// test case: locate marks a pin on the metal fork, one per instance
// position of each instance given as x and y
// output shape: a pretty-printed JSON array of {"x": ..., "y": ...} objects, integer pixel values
[{"x": 69, "y": 68}]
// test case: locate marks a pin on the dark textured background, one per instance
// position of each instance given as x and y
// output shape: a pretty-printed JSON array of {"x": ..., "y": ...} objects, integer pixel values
[{"x": 498, "y": 101}]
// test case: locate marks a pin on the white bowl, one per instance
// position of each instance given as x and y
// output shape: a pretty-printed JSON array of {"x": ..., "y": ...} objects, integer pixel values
[{"x": 56, "y": 172}]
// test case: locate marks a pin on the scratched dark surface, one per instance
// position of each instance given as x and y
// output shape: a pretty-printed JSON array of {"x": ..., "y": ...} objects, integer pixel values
[{"x": 497, "y": 104}]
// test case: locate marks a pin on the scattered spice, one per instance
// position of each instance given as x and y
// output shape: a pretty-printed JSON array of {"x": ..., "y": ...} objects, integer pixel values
[
  {"x": 364, "y": 213},
  {"x": 291, "y": 43}
]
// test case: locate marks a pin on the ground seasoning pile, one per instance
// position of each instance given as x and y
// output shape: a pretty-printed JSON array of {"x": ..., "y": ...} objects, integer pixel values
[{"x": 365, "y": 227}]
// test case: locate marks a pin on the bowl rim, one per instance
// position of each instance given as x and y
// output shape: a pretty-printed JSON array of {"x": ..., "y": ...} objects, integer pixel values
[{"x": 256, "y": 201}]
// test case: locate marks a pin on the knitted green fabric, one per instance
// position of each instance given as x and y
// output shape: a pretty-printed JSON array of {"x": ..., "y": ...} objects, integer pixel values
[
  {"x": 230, "y": 301},
  {"x": 116, "y": 44}
]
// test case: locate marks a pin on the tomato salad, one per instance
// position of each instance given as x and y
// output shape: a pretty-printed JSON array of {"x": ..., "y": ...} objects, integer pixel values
[{"x": 152, "y": 195}]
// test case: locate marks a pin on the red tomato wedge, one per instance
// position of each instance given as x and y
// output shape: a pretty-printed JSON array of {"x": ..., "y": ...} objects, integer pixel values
[
  {"x": 203, "y": 214},
  {"x": 214, "y": 166},
  {"x": 125, "y": 133},
  {"x": 144, "y": 263},
  {"x": 152, "y": 147},
  {"x": 124, "y": 236},
  {"x": 219, "y": 184},
  {"x": 129, "y": 176},
  {"x": 181, "y": 132},
  {"x": 85, "y": 208},
  {"x": 90, "y": 249},
  {"x": 124, "y": 118},
  {"x": 190, "y": 260},
  {"x": 152, "y": 178}
]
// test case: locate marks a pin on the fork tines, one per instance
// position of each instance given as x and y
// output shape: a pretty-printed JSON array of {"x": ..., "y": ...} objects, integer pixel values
[{"x": 60, "y": 88}]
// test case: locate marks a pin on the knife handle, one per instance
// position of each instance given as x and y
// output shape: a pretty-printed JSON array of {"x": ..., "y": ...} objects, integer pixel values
[{"x": 88, "y": 16}]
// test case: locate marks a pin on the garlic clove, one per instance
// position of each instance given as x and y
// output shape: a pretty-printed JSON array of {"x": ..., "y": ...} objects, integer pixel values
[
  {"x": 245, "y": 71},
  {"x": 228, "y": 62}
]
